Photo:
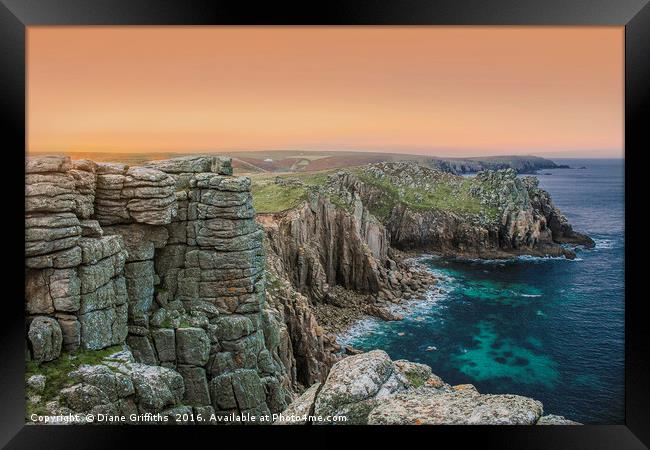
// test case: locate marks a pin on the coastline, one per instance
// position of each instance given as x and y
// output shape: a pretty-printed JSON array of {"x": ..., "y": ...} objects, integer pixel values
[
  {"x": 406, "y": 308},
  {"x": 365, "y": 324}
]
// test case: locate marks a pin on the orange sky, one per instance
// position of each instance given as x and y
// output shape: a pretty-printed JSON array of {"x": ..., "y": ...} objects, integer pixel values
[{"x": 436, "y": 90}]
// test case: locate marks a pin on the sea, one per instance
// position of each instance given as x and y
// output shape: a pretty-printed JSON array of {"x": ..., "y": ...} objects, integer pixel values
[{"x": 548, "y": 328}]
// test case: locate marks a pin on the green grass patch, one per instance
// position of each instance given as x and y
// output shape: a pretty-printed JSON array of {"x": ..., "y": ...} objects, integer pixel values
[
  {"x": 444, "y": 195},
  {"x": 339, "y": 202},
  {"x": 313, "y": 178},
  {"x": 270, "y": 197},
  {"x": 415, "y": 379},
  {"x": 56, "y": 372}
]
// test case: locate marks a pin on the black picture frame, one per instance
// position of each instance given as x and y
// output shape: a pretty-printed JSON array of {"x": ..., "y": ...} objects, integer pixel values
[{"x": 16, "y": 15}]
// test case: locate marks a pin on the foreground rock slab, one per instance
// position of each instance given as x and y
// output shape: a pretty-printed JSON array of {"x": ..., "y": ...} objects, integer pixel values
[
  {"x": 371, "y": 389},
  {"x": 428, "y": 407}
]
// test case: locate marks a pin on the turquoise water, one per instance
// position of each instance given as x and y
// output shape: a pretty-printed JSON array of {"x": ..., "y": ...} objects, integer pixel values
[{"x": 548, "y": 328}]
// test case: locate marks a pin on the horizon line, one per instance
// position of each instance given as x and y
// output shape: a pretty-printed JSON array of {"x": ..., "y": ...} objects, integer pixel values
[{"x": 569, "y": 154}]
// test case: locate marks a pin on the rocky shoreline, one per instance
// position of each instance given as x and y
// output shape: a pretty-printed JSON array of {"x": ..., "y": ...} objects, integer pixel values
[{"x": 503, "y": 217}]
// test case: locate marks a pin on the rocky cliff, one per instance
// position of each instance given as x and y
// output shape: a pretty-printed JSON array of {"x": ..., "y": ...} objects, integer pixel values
[
  {"x": 163, "y": 266},
  {"x": 521, "y": 164},
  {"x": 492, "y": 215},
  {"x": 332, "y": 242},
  {"x": 328, "y": 265}
]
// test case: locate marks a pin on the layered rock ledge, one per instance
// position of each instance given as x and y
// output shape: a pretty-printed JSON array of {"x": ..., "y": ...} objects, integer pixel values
[{"x": 165, "y": 258}]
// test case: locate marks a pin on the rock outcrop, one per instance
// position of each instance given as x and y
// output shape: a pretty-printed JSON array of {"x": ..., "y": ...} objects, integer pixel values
[
  {"x": 371, "y": 389},
  {"x": 165, "y": 258},
  {"x": 521, "y": 164},
  {"x": 322, "y": 245},
  {"x": 492, "y": 215},
  {"x": 329, "y": 265}
]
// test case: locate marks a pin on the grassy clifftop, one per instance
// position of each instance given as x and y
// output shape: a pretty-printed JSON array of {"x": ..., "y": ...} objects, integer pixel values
[
  {"x": 275, "y": 193},
  {"x": 430, "y": 191},
  {"x": 418, "y": 188}
]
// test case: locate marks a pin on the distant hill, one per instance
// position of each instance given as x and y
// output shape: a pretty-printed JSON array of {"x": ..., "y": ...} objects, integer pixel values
[{"x": 282, "y": 161}]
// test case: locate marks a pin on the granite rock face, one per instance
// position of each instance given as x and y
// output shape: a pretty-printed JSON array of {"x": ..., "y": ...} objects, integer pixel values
[
  {"x": 371, "y": 389},
  {"x": 52, "y": 228},
  {"x": 330, "y": 265},
  {"x": 322, "y": 245},
  {"x": 73, "y": 278},
  {"x": 165, "y": 258},
  {"x": 305, "y": 349},
  {"x": 133, "y": 194}
]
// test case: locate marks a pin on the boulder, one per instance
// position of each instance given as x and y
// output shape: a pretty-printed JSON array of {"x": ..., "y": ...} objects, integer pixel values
[
  {"x": 233, "y": 327},
  {"x": 45, "y": 338},
  {"x": 113, "y": 384},
  {"x": 156, "y": 387},
  {"x": 84, "y": 397},
  {"x": 44, "y": 164},
  {"x": 552, "y": 419},
  {"x": 371, "y": 389},
  {"x": 356, "y": 382},
  {"x": 36, "y": 383},
  {"x": 416, "y": 374}
]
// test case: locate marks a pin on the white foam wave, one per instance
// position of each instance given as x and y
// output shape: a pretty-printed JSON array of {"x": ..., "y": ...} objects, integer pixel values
[
  {"x": 418, "y": 310},
  {"x": 604, "y": 243},
  {"x": 359, "y": 329},
  {"x": 530, "y": 258}
]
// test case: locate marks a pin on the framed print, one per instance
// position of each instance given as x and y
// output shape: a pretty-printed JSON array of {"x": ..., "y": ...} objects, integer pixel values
[{"x": 371, "y": 215}]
